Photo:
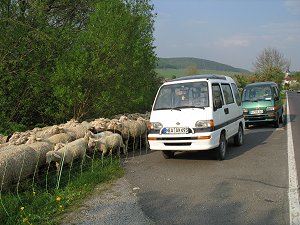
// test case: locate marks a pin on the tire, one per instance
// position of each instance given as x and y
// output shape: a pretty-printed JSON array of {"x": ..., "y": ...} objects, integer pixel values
[
  {"x": 238, "y": 138},
  {"x": 281, "y": 119},
  {"x": 221, "y": 149},
  {"x": 168, "y": 154},
  {"x": 276, "y": 122},
  {"x": 247, "y": 125}
]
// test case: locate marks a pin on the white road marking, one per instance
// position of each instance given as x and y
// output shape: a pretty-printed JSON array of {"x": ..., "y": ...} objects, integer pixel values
[{"x": 294, "y": 206}]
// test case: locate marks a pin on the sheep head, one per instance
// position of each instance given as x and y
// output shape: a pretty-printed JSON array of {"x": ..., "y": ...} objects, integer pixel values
[{"x": 52, "y": 156}]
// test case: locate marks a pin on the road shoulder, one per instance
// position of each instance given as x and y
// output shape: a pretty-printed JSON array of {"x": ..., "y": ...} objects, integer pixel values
[{"x": 111, "y": 203}]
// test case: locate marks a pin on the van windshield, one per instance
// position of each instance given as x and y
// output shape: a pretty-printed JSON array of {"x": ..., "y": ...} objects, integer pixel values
[
  {"x": 257, "y": 93},
  {"x": 184, "y": 95}
]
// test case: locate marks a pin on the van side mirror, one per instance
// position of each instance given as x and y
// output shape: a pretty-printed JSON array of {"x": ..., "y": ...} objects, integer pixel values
[{"x": 217, "y": 104}]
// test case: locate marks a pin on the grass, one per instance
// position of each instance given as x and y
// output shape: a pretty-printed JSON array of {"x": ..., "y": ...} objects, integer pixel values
[{"x": 42, "y": 202}]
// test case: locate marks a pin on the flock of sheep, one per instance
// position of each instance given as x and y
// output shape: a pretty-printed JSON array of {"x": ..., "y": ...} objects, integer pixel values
[{"x": 23, "y": 153}]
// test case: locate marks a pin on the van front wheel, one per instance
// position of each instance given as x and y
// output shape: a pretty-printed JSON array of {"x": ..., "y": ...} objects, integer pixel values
[
  {"x": 221, "y": 149},
  {"x": 238, "y": 138},
  {"x": 168, "y": 154}
]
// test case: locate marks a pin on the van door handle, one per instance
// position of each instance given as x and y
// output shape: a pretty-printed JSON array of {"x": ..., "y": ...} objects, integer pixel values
[{"x": 226, "y": 110}]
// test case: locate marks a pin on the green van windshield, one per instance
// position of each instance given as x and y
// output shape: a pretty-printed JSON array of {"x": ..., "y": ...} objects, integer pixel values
[{"x": 257, "y": 93}]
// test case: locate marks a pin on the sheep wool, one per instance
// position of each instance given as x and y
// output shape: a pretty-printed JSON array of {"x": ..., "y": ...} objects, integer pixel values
[
  {"x": 62, "y": 138},
  {"x": 41, "y": 149},
  {"x": 17, "y": 164},
  {"x": 71, "y": 151},
  {"x": 111, "y": 142}
]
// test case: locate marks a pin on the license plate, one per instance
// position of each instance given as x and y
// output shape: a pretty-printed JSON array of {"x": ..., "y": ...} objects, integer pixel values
[
  {"x": 176, "y": 130},
  {"x": 257, "y": 112}
]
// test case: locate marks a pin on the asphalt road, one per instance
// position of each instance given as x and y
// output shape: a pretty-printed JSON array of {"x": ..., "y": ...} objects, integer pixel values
[{"x": 249, "y": 187}]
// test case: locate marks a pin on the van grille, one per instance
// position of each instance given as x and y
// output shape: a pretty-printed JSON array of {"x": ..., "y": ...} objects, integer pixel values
[{"x": 178, "y": 144}]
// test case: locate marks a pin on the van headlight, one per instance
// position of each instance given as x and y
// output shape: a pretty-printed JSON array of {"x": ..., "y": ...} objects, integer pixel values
[
  {"x": 156, "y": 125},
  {"x": 204, "y": 123},
  {"x": 245, "y": 111},
  {"x": 270, "y": 108}
]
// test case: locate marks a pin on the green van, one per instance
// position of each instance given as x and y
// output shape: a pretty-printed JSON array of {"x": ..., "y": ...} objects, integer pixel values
[{"x": 261, "y": 102}]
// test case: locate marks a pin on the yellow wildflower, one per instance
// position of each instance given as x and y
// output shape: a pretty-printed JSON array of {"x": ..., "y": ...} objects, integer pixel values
[
  {"x": 25, "y": 220},
  {"x": 58, "y": 198},
  {"x": 22, "y": 208}
]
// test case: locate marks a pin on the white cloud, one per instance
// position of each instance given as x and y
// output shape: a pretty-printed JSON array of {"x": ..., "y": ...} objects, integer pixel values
[
  {"x": 235, "y": 41},
  {"x": 293, "y": 6}
]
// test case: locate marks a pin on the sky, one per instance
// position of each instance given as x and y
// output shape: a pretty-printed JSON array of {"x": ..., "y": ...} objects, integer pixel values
[{"x": 233, "y": 32}]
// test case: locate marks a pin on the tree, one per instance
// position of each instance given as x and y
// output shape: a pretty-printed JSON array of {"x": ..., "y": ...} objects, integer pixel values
[
  {"x": 241, "y": 80},
  {"x": 110, "y": 68},
  {"x": 67, "y": 59},
  {"x": 269, "y": 65},
  {"x": 297, "y": 76}
]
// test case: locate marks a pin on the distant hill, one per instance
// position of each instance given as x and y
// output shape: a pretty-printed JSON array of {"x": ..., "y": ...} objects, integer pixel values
[{"x": 201, "y": 64}]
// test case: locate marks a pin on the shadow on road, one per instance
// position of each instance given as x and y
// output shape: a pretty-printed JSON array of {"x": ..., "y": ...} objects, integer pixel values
[
  {"x": 251, "y": 140},
  {"x": 221, "y": 208}
]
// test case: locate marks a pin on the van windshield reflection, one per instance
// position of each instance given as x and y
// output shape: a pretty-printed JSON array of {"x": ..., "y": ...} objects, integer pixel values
[{"x": 184, "y": 95}]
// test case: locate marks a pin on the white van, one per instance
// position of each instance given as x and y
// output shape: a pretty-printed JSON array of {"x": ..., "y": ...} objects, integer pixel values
[{"x": 198, "y": 112}]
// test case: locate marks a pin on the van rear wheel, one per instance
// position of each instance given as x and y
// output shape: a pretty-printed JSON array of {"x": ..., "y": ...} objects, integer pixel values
[
  {"x": 221, "y": 149},
  {"x": 276, "y": 122},
  {"x": 168, "y": 154}
]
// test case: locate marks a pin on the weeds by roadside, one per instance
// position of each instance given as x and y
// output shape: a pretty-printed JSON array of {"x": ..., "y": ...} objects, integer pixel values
[{"x": 41, "y": 202}]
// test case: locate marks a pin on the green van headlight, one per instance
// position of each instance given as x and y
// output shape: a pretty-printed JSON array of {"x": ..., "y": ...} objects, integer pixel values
[{"x": 270, "y": 108}]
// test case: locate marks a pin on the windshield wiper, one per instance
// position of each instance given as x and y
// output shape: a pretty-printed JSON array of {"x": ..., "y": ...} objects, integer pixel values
[
  {"x": 191, "y": 106},
  {"x": 167, "y": 108}
]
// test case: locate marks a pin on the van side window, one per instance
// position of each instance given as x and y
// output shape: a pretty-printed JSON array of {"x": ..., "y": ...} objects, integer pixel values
[
  {"x": 236, "y": 94},
  {"x": 275, "y": 92},
  {"x": 216, "y": 92},
  {"x": 227, "y": 93}
]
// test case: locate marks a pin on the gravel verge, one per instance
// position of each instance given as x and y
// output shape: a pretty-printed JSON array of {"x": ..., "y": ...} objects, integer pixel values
[{"x": 114, "y": 203}]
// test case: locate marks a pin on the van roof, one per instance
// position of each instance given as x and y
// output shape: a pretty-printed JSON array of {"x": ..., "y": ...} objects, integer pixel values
[
  {"x": 204, "y": 76},
  {"x": 261, "y": 83}
]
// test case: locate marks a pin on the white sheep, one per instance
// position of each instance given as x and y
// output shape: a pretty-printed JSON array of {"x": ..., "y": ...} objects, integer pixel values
[
  {"x": 101, "y": 134},
  {"x": 59, "y": 146},
  {"x": 110, "y": 143},
  {"x": 94, "y": 144},
  {"x": 3, "y": 139},
  {"x": 67, "y": 154},
  {"x": 17, "y": 163},
  {"x": 62, "y": 138},
  {"x": 100, "y": 124}
]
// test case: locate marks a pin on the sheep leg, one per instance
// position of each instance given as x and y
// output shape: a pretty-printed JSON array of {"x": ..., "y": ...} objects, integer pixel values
[
  {"x": 58, "y": 167},
  {"x": 119, "y": 152},
  {"x": 102, "y": 157},
  {"x": 140, "y": 144},
  {"x": 133, "y": 147},
  {"x": 110, "y": 153}
]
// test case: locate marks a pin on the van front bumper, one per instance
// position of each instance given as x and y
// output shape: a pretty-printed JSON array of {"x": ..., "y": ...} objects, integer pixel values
[
  {"x": 187, "y": 142},
  {"x": 260, "y": 118}
]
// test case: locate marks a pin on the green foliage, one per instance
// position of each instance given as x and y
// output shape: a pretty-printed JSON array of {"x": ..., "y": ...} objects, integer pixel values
[
  {"x": 270, "y": 65},
  {"x": 241, "y": 80},
  {"x": 74, "y": 59},
  {"x": 297, "y": 76}
]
